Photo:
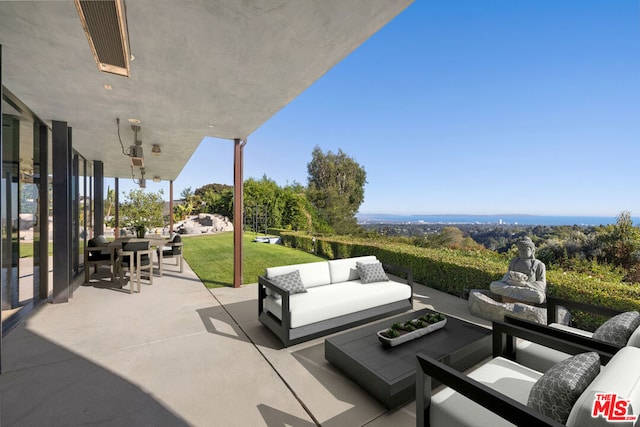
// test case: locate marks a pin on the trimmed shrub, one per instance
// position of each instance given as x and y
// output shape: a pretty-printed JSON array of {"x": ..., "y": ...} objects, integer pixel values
[{"x": 456, "y": 271}]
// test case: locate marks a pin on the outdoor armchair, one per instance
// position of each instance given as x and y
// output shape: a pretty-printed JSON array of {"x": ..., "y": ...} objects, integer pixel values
[
  {"x": 499, "y": 387},
  {"x": 134, "y": 257},
  {"x": 619, "y": 331}
]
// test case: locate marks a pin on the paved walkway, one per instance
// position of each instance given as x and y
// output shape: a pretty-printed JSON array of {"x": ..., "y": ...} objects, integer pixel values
[{"x": 178, "y": 354}]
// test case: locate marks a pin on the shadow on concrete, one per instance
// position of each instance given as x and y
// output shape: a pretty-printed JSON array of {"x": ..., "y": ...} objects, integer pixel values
[
  {"x": 276, "y": 418},
  {"x": 216, "y": 321},
  {"x": 362, "y": 407},
  {"x": 45, "y": 384}
]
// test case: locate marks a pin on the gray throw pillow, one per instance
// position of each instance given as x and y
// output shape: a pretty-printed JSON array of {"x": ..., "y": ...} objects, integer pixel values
[
  {"x": 290, "y": 282},
  {"x": 618, "y": 329},
  {"x": 371, "y": 273},
  {"x": 555, "y": 393}
]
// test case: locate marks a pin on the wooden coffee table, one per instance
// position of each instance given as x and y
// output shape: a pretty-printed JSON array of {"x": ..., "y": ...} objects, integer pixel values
[{"x": 389, "y": 374}]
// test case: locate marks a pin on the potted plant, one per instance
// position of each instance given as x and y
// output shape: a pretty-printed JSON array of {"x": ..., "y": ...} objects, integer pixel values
[
  {"x": 142, "y": 211},
  {"x": 401, "y": 332}
]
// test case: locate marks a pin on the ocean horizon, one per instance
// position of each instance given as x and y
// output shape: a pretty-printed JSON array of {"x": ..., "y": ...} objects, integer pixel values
[{"x": 506, "y": 219}]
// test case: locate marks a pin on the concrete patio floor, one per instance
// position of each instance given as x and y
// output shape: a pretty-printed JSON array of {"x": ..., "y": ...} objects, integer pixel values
[{"x": 179, "y": 354}]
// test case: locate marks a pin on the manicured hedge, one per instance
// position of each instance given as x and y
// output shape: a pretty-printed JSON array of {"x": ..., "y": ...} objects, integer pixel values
[{"x": 458, "y": 271}]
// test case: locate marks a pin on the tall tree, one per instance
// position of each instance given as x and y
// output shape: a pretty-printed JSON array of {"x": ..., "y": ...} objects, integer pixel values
[
  {"x": 622, "y": 242},
  {"x": 336, "y": 188}
]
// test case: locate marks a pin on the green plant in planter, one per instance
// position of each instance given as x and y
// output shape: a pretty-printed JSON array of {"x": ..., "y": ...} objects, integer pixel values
[
  {"x": 397, "y": 329},
  {"x": 408, "y": 326},
  {"x": 142, "y": 211},
  {"x": 391, "y": 333},
  {"x": 433, "y": 318},
  {"x": 396, "y": 326}
]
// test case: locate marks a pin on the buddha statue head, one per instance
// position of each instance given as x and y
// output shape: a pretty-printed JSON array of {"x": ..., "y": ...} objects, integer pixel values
[{"x": 526, "y": 248}]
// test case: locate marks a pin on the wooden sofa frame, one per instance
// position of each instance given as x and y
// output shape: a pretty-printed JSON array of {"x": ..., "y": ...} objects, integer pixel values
[
  {"x": 429, "y": 369},
  {"x": 282, "y": 328}
]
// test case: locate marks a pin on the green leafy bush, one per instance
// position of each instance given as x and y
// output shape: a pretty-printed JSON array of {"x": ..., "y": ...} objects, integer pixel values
[{"x": 457, "y": 271}]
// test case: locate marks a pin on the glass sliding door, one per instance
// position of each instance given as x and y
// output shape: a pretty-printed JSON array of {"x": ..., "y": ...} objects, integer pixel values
[
  {"x": 25, "y": 265},
  {"x": 10, "y": 203}
]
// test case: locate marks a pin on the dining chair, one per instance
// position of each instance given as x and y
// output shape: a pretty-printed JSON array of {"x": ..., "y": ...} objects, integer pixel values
[{"x": 134, "y": 257}]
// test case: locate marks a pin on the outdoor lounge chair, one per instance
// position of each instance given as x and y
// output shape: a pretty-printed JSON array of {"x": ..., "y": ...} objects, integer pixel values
[
  {"x": 496, "y": 393},
  {"x": 541, "y": 358},
  {"x": 134, "y": 257}
]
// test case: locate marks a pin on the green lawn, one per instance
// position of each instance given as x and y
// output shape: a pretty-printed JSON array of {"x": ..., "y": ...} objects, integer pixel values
[
  {"x": 26, "y": 249},
  {"x": 211, "y": 258}
]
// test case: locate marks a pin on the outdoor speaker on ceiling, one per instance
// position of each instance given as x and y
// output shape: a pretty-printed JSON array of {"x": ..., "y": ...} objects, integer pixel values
[{"x": 105, "y": 24}]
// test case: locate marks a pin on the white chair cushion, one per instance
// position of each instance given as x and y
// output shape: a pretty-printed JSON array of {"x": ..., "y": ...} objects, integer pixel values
[
  {"x": 326, "y": 302},
  {"x": 344, "y": 270},
  {"x": 536, "y": 356},
  {"x": 571, "y": 329},
  {"x": 541, "y": 358},
  {"x": 312, "y": 273},
  {"x": 620, "y": 376},
  {"x": 634, "y": 339},
  {"x": 451, "y": 409}
]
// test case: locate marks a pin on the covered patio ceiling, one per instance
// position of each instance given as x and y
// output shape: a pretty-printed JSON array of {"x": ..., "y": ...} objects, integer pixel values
[{"x": 217, "y": 68}]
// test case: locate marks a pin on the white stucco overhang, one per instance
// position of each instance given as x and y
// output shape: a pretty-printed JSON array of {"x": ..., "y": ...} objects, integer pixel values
[{"x": 230, "y": 64}]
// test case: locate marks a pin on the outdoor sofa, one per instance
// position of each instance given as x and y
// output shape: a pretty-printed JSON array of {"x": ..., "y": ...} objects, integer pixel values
[
  {"x": 305, "y": 301},
  {"x": 497, "y": 393}
]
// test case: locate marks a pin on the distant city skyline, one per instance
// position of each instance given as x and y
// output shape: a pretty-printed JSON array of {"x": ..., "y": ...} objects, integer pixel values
[{"x": 468, "y": 107}]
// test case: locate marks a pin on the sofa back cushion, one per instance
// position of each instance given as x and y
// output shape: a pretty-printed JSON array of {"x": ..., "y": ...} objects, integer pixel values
[
  {"x": 621, "y": 376},
  {"x": 312, "y": 274},
  {"x": 344, "y": 270}
]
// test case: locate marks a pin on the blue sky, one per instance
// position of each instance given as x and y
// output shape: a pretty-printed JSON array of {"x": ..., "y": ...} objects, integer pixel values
[{"x": 469, "y": 107}]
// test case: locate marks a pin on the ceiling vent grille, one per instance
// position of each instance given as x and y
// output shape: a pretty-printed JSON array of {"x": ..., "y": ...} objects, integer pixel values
[{"x": 105, "y": 24}]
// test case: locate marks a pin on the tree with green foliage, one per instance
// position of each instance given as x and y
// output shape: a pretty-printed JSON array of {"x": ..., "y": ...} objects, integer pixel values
[
  {"x": 622, "y": 242},
  {"x": 141, "y": 211},
  {"x": 216, "y": 199},
  {"x": 263, "y": 203},
  {"x": 266, "y": 203},
  {"x": 336, "y": 188},
  {"x": 188, "y": 205}
]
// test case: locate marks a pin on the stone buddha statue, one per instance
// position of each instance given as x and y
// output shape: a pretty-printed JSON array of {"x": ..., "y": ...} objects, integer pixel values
[{"x": 525, "y": 280}]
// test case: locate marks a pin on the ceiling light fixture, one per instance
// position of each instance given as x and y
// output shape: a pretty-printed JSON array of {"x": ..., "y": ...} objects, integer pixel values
[
  {"x": 155, "y": 149},
  {"x": 156, "y": 179}
]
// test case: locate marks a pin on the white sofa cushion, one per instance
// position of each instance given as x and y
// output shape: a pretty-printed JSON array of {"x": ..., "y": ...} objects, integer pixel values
[
  {"x": 620, "y": 376},
  {"x": 344, "y": 270},
  {"x": 326, "y": 302},
  {"x": 451, "y": 409},
  {"x": 312, "y": 273}
]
